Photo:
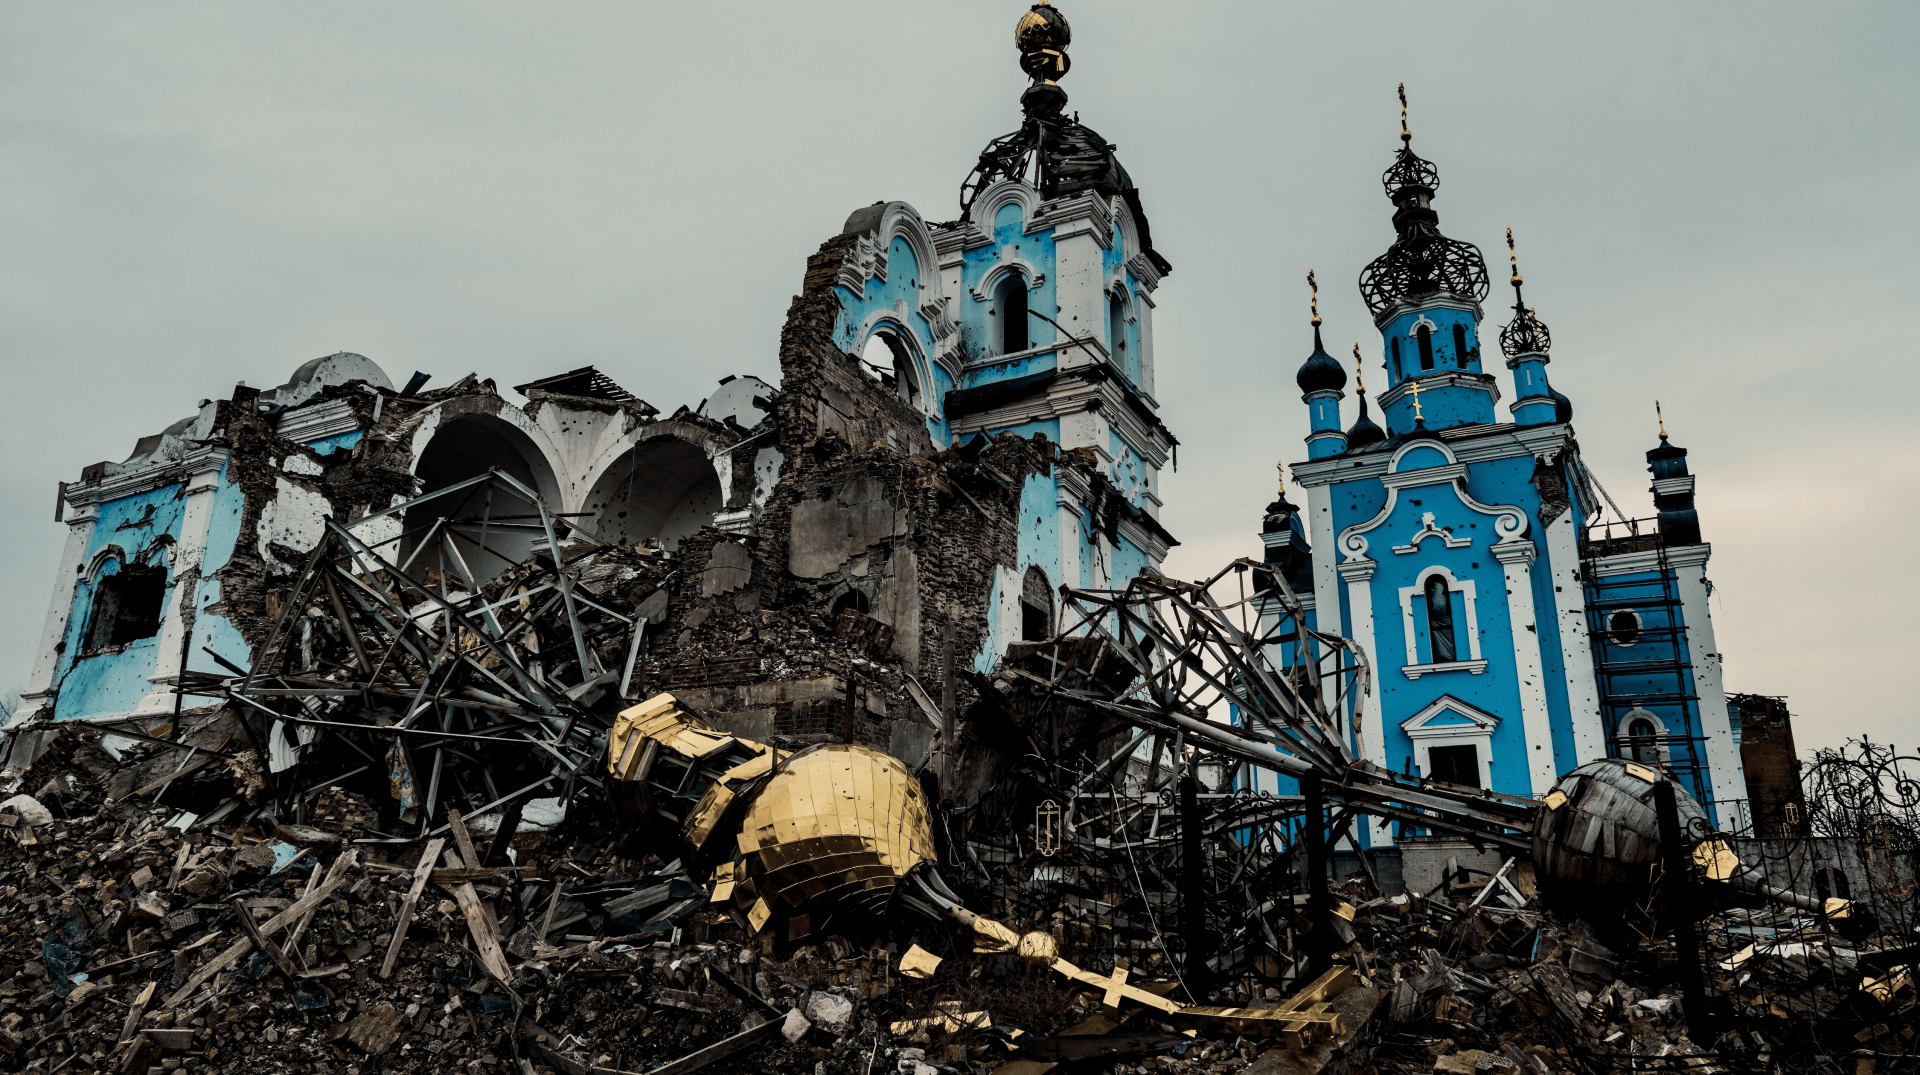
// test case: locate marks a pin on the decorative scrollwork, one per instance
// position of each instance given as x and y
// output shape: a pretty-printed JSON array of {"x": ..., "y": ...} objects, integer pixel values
[{"x": 1525, "y": 335}]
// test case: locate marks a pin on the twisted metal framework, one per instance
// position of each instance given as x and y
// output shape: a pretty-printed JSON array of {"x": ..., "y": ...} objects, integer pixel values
[
  {"x": 1421, "y": 263},
  {"x": 1525, "y": 334},
  {"x": 1056, "y": 155},
  {"x": 1192, "y": 660},
  {"x": 400, "y": 652}
]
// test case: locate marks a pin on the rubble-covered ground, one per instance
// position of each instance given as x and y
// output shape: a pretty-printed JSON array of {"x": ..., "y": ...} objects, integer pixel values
[{"x": 112, "y": 921}]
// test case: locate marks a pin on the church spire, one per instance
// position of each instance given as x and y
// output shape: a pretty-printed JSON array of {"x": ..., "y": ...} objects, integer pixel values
[
  {"x": 1672, "y": 489},
  {"x": 1421, "y": 261},
  {"x": 1526, "y": 342},
  {"x": 1364, "y": 431},
  {"x": 1321, "y": 380}
]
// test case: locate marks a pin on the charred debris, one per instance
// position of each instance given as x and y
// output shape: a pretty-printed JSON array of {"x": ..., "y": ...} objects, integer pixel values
[{"x": 453, "y": 822}]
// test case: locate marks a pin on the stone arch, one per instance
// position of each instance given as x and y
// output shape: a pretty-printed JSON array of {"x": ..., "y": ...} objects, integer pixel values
[
  {"x": 664, "y": 487},
  {"x": 463, "y": 438}
]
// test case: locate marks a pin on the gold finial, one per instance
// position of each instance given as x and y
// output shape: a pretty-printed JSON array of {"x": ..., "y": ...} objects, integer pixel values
[
  {"x": 1313, "y": 297},
  {"x": 1413, "y": 389},
  {"x": 1513, "y": 259},
  {"x": 1360, "y": 386},
  {"x": 1406, "y": 135},
  {"x": 1282, "y": 468},
  {"x": 1661, "y": 418}
]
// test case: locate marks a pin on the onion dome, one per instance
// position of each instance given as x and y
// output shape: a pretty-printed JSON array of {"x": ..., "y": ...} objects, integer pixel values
[
  {"x": 1562, "y": 406},
  {"x": 1421, "y": 261},
  {"x": 1320, "y": 373},
  {"x": 1364, "y": 431},
  {"x": 1525, "y": 334}
]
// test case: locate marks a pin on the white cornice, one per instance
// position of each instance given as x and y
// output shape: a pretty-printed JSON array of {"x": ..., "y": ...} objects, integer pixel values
[
  {"x": 1506, "y": 442},
  {"x": 1672, "y": 486},
  {"x": 1631, "y": 563},
  {"x": 317, "y": 422},
  {"x": 1442, "y": 379},
  {"x": 1430, "y": 302},
  {"x": 147, "y": 479}
]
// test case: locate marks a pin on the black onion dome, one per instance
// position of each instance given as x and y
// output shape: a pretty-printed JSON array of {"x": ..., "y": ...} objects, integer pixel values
[
  {"x": 1562, "y": 406},
  {"x": 1320, "y": 372},
  {"x": 1278, "y": 515},
  {"x": 1364, "y": 431}
]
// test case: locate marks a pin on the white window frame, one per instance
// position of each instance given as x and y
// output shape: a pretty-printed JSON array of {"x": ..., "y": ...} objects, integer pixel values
[
  {"x": 1478, "y": 734},
  {"x": 1413, "y": 669}
]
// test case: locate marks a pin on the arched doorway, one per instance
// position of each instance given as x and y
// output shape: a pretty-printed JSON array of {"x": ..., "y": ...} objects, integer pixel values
[
  {"x": 664, "y": 489},
  {"x": 490, "y": 527}
]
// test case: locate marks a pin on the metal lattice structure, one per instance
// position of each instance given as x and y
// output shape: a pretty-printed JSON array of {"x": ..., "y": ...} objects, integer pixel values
[{"x": 1424, "y": 263}]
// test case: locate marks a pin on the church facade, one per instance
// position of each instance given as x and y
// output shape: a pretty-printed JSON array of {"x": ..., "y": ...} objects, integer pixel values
[{"x": 1511, "y": 634}]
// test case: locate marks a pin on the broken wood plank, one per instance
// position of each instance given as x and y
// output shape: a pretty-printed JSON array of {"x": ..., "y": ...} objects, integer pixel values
[
  {"x": 464, "y": 840},
  {"x": 336, "y": 878},
  {"x": 498, "y": 875},
  {"x": 134, "y": 1013},
  {"x": 253, "y": 934},
  {"x": 292, "y": 944},
  {"x": 420, "y": 874},
  {"x": 486, "y": 935},
  {"x": 719, "y": 1050}
]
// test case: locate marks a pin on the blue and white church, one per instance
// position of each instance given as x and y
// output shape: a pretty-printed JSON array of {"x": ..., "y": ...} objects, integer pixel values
[{"x": 1511, "y": 636}]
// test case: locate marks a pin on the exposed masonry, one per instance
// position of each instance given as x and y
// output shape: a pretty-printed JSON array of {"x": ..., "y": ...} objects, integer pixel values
[{"x": 833, "y": 537}]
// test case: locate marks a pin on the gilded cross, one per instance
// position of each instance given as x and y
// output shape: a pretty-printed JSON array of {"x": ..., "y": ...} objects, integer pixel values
[{"x": 1413, "y": 389}]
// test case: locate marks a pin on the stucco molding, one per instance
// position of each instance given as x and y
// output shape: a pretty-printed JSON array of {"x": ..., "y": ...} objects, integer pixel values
[
  {"x": 1484, "y": 445},
  {"x": 983, "y": 291},
  {"x": 1427, "y": 530},
  {"x": 1631, "y": 563},
  {"x": 1510, "y": 522},
  {"x": 1477, "y": 733},
  {"x": 1466, "y": 589}
]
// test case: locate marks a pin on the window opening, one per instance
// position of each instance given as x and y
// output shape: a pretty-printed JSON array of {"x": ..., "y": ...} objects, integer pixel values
[
  {"x": 851, "y": 601},
  {"x": 1011, "y": 303},
  {"x": 1117, "y": 330},
  {"x": 1460, "y": 344},
  {"x": 886, "y": 357},
  {"x": 1625, "y": 627},
  {"x": 1831, "y": 884},
  {"x": 1640, "y": 735},
  {"x": 1440, "y": 621},
  {"x": 1425, "y": 336},
  {"x": 126, "y": 606},
  {"x": 1455, "y": 764},
  {"x": 1036, "y": 607},
  {"x": 1397, "y": 374}
]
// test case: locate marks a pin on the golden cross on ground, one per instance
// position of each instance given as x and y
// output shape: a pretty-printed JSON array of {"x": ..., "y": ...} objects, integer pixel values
[{"x": 1413, "y": 389}]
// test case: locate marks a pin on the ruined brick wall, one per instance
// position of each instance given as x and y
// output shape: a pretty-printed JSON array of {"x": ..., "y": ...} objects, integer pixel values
[{"x": 866, "y": 516}]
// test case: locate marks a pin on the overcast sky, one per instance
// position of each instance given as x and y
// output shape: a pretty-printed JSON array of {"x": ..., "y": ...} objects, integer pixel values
[{"x": 1715, "y": 205}]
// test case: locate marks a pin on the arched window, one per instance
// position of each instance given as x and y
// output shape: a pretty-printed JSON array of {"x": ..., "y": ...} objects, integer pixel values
[
  {"x": 1397, "y": 374},
  {"x": 1036, "y": 607},
  {"x": 1117, "y": 334},
  {"x": 1440, "y": 621},
  {"x": 888, "y": 358},
  {"x": 1425, "y": 336},
  {"x": 1830, "y": 884},
  {"x": 850, "y": 601},
  {"x": 1460, "y": 344},
  {"x": 1640, "y": 736},
  {"x": 1010, "y": 306},
  {"x": 126, "y": 606}
]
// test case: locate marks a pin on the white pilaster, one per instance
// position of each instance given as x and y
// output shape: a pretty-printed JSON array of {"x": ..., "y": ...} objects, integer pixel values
[
  {"x": 1358, "y": 573},
  {"x": 1517, "y": 557},
  {"x": 1326, "y": 578},
  {"x": 60, "y": 609},
  {"x": 1723, "y": 754},
  {"x": 1576, "y": 646},
  {"x": 187, "y": 555}
]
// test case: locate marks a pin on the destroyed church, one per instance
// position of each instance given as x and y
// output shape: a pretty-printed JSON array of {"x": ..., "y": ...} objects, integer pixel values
[{"x": 850, "y": 723}]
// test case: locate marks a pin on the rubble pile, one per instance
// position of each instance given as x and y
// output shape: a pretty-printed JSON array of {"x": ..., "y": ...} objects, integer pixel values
[{"x": 135, "y": 937}]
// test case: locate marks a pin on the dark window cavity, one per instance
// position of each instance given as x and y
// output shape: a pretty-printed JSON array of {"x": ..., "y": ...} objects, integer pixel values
[
  {"x": 1640, "y": 736},
  {"x": 851, "y": 601},
  {"x": 1117, "y": 329},
  {"x": 1010, "y": 301},
  {"x": 1397, "y": 373},
  {"x": 1455, "y": 765},
  {"x": 1831, "y": 884},
  {"x": 126, "y": 606},
  {"x": 1425, "y": 336},
  {"x": 1624, "y": 627},
  {"x": 1460, "y": 344},
  {"x": 1036, "y": 607},
  {"x": 1440, "y": 621}
]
